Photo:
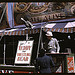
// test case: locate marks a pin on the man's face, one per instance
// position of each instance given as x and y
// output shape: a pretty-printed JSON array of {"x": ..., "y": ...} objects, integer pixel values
[{"x": 49, "y": 37}]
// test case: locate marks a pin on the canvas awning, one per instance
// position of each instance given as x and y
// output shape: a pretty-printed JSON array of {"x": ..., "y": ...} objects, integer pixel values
[
  {"x": 54, "y": 27},
  {"x": 22, "y": 30},
  {"x": 68, "y": 27}
]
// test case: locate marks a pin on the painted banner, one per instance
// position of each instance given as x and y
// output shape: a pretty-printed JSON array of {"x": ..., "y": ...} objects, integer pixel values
[
  {"x": 59, "y": 70},
  {"x": 70, "y": 64},
  {"x": 24, "y": 51}
]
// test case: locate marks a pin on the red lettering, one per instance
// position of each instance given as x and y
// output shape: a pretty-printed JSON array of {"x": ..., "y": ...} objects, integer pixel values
[
  {"x": 19, "y": 58},
  {"x": 23, "y": 54},
  {"x": 24, "y": 47},
  {"x": 29, "y": 47},
  {"x": 20, "y": 47},
  {"x": 28, "y": 54},
  {"x": 18, "y": 54},
  {"x": 22, "y": 59},
  {"x": 26, "y": 58}
]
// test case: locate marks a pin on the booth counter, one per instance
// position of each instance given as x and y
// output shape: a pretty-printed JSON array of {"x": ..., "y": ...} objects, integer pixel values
[{"x": 64, "y": 63}]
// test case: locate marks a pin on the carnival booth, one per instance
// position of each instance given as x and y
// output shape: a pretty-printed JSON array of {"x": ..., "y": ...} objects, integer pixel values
[
  {"x": 66, "y": 41},
  {"x": 21, "y": 40}
]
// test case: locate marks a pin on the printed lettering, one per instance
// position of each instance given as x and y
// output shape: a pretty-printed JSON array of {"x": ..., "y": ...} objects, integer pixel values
[{"x": 22, "y": 59}]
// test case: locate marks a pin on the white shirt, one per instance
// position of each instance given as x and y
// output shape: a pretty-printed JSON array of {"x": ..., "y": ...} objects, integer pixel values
[{"x": 53, "y": 43}]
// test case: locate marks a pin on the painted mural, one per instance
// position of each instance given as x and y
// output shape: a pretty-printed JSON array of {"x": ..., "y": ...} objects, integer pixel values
[
  {"x": 36, "y": 12},
  {"x": 44, "y": 11}
]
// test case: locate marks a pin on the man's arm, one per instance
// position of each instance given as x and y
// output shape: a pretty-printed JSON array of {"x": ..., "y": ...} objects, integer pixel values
[
  {"x": 57, "y": 44},
  {"x": 52, "y": 62}
]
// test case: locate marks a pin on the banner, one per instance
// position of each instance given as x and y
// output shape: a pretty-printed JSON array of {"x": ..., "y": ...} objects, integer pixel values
[
  {"x": 24, "y": 51},
  {"x": 70, "y": 64}
]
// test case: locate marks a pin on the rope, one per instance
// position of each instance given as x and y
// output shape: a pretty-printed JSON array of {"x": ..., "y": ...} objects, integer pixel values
[
  {"x": 1, "y": 20},
  {"x": 2, "y": 14}
]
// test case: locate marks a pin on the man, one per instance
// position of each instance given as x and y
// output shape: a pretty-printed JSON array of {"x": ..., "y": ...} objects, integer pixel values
[
  {"x": 43, "y": 63},
  {"x": 53, "y": 45}
]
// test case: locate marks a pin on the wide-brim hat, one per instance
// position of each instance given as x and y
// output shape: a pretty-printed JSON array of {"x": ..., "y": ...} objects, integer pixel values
[{"x": 49, "y": 33}]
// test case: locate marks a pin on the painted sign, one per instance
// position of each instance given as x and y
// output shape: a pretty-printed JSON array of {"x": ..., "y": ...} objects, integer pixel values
[
  {"x": 59, "y": 70},
  {"x": 37, "y": 12},
  {"x": 70, "y": 64},
  {"x": 24, "y": 51},
  {"x": 47, "y": 17}
]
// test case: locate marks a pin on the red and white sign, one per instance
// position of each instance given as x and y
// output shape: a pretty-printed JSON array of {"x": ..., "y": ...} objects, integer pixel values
[
  {"x": 70, "y": 63},
  {"x": 59, "y": 70},
  {"x": 24, "y": 51}
]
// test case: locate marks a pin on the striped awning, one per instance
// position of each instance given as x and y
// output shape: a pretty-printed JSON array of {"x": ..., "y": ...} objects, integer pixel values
[
  {"x": 54, "y": 27},
  {"x": 22, "y": 31},
  {"x": 60, "y": 27}
]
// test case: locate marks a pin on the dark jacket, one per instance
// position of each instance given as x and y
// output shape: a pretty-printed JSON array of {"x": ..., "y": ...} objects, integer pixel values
[{"x": 43, "y": 64}]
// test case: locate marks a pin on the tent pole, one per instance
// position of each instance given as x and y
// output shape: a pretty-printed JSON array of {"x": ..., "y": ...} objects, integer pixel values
[
  {"x": 39, "y": 41},
  {"x": 4, "y": 49},
  {"x": 3, "y": 33},
  {"x": 26, "y": 36}
]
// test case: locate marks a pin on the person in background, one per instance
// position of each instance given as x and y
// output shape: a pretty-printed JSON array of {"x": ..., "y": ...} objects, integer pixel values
[
  {"x": 43, "y": 63},
  {"x": 53, "y": 45}
]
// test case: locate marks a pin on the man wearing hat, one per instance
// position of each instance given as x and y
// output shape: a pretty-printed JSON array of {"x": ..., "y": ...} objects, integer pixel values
[
  {"x": 53, "y": 45},
  {"x": 43, "y": 63}
]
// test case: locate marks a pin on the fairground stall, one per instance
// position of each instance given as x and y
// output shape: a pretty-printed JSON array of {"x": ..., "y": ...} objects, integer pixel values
[{"x": 22, "y": 35}]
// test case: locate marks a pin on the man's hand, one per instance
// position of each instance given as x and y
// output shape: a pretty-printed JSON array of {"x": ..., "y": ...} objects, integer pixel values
[{"x": 57, "y": 52}]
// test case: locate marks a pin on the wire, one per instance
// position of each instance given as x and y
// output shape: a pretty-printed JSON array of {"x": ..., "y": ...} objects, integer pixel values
[{"x": 2, "y": 14}]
